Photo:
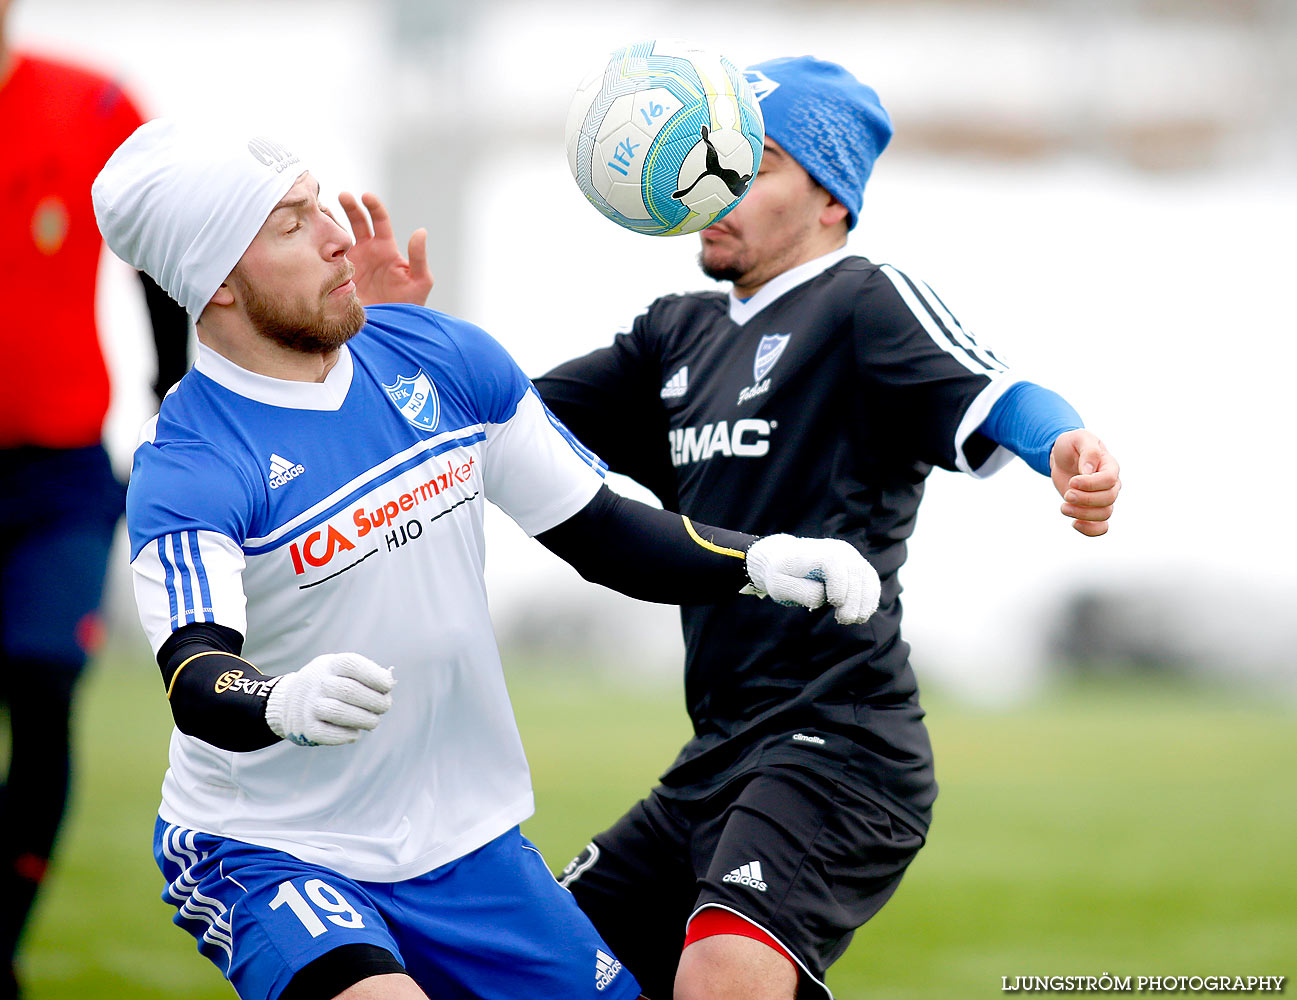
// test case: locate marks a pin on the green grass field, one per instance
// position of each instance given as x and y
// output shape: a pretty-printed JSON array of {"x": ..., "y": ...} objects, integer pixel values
[{"x": 1133, "y": 829}]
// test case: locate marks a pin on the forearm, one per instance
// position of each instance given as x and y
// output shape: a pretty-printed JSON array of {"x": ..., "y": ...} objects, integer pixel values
[
  {"x": 215, "y": 695},
  {"x": 650, "y": 554},
  {"x": 1027, "y": 420}
]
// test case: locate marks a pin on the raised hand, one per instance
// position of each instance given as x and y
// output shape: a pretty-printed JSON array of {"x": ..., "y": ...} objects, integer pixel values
[{"x": 382, "y": 274}]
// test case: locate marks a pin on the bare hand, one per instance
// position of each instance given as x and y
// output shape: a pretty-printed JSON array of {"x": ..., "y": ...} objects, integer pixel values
[
  {"x": 1087, "y": 477},
  {"x": 382, "y": 274}
]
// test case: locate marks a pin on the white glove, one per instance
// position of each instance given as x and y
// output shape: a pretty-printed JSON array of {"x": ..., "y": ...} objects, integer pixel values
[
  {"x": 330, "y": 700},
  {"x": 809, "y": 571}
]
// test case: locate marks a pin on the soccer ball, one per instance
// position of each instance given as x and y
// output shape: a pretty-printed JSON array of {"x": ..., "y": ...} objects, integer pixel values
[{"x": 664, "y": 138}]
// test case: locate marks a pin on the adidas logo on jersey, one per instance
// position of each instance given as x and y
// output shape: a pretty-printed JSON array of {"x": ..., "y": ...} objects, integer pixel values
[
  {"x": 677, "y": 385},
  {"x": 749, "y": 875},
  {"x": 282, "y": 471},
  {"x": 605, "y": 969}
]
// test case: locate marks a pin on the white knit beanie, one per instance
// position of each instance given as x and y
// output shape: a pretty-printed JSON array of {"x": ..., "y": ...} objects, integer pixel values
[{"x": 183, "y": 202}]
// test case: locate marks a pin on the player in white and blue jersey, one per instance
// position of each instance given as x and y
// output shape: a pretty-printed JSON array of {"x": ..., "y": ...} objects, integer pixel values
[{"x": 340, "y": 816}]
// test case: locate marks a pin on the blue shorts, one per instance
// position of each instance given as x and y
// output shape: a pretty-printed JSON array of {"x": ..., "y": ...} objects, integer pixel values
[
  {"x": 58, "y": 510},
  {"x": 492, "y": 925}
]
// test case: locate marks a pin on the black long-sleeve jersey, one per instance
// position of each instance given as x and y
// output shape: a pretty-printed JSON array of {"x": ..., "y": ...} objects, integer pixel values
[{"x": 817, "y": 407}]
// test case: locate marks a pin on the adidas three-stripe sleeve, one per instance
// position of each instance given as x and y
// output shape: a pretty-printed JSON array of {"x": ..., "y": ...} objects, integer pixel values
[
  {"x": 921, "y": 365},
  {"x": 186, "y": 566},
  {"x": 186, "y": 578}
]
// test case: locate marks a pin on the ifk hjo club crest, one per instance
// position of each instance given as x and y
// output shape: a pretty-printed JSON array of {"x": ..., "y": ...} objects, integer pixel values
[{"x": 416, "y": 397}]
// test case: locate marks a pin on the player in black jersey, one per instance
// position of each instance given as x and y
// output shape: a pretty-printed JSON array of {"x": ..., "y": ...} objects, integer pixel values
[{"x": 813, "y": 398}]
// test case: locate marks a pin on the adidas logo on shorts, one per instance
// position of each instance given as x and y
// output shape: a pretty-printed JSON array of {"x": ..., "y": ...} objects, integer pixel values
[
  {"x": 749, "y": 875},
  {"x": 605, "y": 969}
]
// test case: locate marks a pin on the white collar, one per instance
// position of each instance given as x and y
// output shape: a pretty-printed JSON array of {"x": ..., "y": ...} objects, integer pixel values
[
  {"x": 326, "y": 395},
  {"x": 741, "y": 312}
]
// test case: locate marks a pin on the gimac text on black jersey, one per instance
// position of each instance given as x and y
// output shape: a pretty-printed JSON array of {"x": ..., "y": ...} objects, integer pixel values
[{"x": 748, "y": 438}]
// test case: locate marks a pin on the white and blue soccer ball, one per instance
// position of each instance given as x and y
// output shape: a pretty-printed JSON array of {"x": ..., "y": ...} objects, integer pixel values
[{"x": 664, "y": 138}]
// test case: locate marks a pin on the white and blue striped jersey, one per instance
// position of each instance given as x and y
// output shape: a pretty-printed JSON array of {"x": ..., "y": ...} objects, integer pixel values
[{"x": 346, "y": 515}]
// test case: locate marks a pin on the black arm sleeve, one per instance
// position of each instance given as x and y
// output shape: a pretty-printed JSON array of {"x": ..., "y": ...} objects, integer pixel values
[
  {"x": 216, "y": 696},
  {"x": 650, "y": 554},
  {"x": 609, "y": 399},
  {"x": 170, "y": 335}
]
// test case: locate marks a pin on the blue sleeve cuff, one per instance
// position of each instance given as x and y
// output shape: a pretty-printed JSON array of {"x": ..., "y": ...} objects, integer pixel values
[{"x": 1027, "y": 420}]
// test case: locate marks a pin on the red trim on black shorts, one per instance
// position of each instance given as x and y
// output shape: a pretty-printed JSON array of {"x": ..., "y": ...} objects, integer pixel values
[{"x": 712, "y": 920}]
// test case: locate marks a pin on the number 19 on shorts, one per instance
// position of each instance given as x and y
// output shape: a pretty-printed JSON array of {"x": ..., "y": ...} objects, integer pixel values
[{"x": 325, "y": 898}]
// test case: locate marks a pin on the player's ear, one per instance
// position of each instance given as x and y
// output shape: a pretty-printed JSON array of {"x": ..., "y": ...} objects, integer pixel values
[
  {"x": 833, "y": 213},
  {"x": 224, "y": 295}
]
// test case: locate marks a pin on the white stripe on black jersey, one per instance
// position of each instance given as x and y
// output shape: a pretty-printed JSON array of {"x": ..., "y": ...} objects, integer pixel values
[
  {"x": 960, "y": 333},
  {"x": 944, "y": 330},
  {"x": 952, "y": 326}
]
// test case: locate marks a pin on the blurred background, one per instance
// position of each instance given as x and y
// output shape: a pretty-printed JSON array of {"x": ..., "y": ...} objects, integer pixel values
[{"x": 1105, "y": 192}]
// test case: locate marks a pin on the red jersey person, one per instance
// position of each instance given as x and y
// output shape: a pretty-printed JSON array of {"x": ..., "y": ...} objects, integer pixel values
[{"x": 61, "y": 122}]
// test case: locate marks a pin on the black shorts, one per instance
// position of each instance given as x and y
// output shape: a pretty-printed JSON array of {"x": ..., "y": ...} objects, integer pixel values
[{"x": 802, "y": 855}]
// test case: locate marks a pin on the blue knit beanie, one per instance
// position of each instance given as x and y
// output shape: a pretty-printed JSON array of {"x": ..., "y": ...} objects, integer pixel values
[{"x": 826, "y": 119}]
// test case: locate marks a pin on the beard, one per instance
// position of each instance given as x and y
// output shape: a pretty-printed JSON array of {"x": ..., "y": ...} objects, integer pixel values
[
  {"x": 721, "y": 270},
  {"x": 301, "y": 329}
]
